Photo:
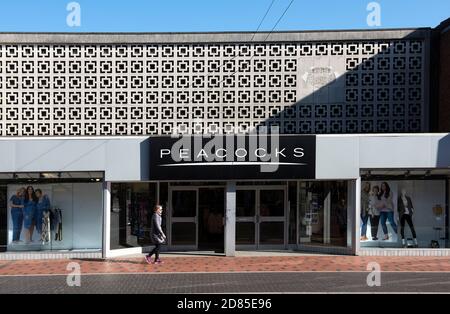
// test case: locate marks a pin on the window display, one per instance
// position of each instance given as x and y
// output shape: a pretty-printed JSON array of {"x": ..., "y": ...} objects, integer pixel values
[
  {"x": 405, "y": 212},
  {"x": 31, "y": 217},
  {"x": 131, "y": 211},
  {"x": 402, "y": 213},
  {"x": 323, "y": 213},
  {"x": 49, "y": 216}
]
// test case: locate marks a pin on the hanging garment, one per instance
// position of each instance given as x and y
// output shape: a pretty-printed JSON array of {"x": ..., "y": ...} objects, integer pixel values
[
  {"x": 42, "y": 206},
  {"x": 58, "y": 234},
  {"x": 45, "y": 234},
  {"x": 115, "y": 205},
  {"x": 54, "y": 220},
  {"x": 58, "y": 225}
]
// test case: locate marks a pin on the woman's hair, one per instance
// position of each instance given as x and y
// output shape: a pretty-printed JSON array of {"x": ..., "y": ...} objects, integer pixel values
[
  {"x": 377, "y": 193},
  {"x": 366, "y": 187},
  {"x": 33, "y": 194},
  {"x": 388, "y": 189},
  {"x": 157, "y": 207}
]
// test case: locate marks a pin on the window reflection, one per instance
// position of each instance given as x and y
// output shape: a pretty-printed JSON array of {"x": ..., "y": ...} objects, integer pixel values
[
  {"x": 271, "y": 202},
  {"x": 245, "y": 203},
  {"x": 245, "y": 233},
  {"x": 184, "y": 203},
  {"x": 323, "y": 213},
  {"x": 131, "y": 209}
]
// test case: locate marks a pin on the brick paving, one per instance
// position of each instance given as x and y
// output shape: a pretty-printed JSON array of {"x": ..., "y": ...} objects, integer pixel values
[{"x": 215, "y": 264}]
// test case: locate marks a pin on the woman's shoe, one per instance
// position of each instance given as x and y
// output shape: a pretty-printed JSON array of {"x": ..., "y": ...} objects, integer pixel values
[
  {"x": 148, "y": 259},
  {"x": 386, "y": 237},
  {"x": 158, "y": 261},
  {"x": 364, "y": 238}
]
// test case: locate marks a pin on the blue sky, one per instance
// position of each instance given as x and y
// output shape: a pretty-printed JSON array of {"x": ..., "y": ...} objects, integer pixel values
[{"x": 214, "y": 15}]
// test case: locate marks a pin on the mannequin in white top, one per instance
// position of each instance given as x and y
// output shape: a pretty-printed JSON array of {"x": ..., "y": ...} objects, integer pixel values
[{"x": 405, "y": 211}]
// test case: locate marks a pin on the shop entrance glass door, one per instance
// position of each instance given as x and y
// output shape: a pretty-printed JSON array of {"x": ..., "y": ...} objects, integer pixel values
[
  {"x": 261, "y": 217},
  {"x": 271, "y": 218},
  {"x": 183, "y": 218},
  {"x": 246, "y": 217},
  {"x": 211, "y": 212}
]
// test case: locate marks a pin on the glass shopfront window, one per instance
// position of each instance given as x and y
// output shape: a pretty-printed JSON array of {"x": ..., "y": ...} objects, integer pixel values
[
  {"x": 3, "y": 218},
  {"x": 272, "y": 203},
  {"x": 184, "y": 203},
  {"x": 404, "y": 213},
  {"x": 59, "y": 216},
  {"x": 292, "y": 201},
  {"x": 261, "y": 215},
  {"x": 245, "y": 233},
  {"x": 246, "y": 203},
  {"x": 323, "y": 213},
  {"x": 131, "y": 211}
]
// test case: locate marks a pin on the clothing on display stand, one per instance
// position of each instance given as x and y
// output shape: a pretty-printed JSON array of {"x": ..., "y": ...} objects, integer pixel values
[
  {"x": 115, "y": 208},
  {"x": 138, "y": 213},
  {"x": 57, "y": 224},
  {"x": 45, "y": 233}
]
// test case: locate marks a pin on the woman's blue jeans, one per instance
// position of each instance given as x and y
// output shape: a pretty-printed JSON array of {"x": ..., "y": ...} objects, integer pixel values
[
  {"x": 17, "y": 219},
  {"x": 364, "y": 220},
  {"x": 387, "y": 216}
]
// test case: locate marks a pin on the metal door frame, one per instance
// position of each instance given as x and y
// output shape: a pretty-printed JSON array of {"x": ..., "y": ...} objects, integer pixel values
[
  {"x": 257, "y": 219},
  {"x": 171, "y": 220}
]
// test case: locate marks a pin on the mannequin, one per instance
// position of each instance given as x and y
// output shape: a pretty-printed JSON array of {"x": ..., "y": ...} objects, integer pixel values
[
  {"x": 405, "y": 210},
  {"x": 365, "y": 203}
]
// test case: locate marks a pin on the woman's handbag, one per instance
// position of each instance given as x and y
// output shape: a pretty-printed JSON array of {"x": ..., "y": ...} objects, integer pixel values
[{"x": 160, "y": 239}]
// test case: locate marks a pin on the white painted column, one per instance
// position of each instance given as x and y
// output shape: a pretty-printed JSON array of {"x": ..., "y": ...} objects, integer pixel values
[
  {"x": 230, "y": 219},
  {"x": 353, "y": 214},
  {"x": 106, "y": 218}
]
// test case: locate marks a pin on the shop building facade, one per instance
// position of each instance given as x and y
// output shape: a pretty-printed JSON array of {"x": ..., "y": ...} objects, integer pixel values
[{"x": 88, "y": 118}]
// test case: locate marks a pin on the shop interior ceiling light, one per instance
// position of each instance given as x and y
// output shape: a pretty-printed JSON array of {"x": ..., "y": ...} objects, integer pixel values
[{"x": 50, "y": 175}]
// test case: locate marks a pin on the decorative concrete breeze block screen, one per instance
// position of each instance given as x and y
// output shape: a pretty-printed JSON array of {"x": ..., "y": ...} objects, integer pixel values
[{"x": 329, "y": 87}]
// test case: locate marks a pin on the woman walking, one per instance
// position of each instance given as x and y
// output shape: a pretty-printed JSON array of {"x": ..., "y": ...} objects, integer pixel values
[
  {"x": 387, "y": 212},
  {"x": 157, "y": 235}
]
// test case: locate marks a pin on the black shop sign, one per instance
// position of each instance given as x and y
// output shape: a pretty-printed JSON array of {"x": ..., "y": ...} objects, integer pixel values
[{"x": 232, "y": 157}]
